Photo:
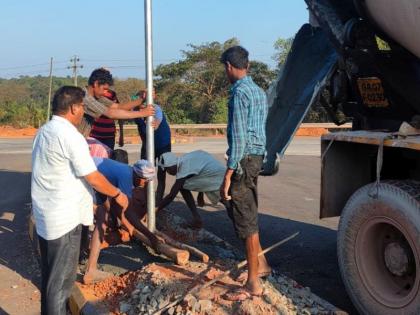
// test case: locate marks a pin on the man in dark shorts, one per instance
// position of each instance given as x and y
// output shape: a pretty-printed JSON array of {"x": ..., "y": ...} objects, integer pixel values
[
  {"x": 247, "y": 114},
  {"x": 162, "y": 141}
]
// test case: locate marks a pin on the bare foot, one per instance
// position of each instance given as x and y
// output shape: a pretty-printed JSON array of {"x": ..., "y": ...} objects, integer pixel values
[
  {"x": 94, "y": 276},
  {"x": 244, "y": 293},
  {"x": 262, "y": 273}
]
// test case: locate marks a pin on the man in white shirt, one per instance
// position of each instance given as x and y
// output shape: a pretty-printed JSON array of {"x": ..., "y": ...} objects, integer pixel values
[{"x": 62, "y": 176}]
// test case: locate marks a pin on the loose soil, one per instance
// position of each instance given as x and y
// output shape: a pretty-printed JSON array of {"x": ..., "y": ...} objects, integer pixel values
[{"x": 11, "y": 132}]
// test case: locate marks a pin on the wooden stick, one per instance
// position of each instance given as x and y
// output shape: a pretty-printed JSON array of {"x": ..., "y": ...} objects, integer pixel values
[
  {"x": 179, "y": 256},
  {"x": 193, "y": 251},
  {"x": 240, "y": 265}
]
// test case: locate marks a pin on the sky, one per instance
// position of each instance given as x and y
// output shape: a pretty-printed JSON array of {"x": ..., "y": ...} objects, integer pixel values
[{"x": 111, "y": 33}]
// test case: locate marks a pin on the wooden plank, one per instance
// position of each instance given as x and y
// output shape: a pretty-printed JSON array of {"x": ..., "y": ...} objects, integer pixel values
[
  {"x": 179, "y": 256},
  {"x": 193, "y": 251}
]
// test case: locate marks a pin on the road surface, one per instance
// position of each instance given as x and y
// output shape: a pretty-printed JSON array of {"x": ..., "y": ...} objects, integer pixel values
[
  {"x": 300, "y": 146},
  {"x": 289, "y": 202}
]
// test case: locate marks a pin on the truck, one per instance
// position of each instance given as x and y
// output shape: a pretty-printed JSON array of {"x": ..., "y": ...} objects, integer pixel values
[{"x": 360, "y": 61}]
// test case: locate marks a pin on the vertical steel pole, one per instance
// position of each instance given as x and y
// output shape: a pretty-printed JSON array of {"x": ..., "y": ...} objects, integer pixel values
[
  {"x": 49, "y": 91},
  {"x": 150, "y": 148}
]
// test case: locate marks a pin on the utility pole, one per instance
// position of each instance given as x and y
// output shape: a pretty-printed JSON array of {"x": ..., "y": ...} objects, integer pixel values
[
  {"x": 74, "y": 67},
  {"x": 49, "y": 92}
]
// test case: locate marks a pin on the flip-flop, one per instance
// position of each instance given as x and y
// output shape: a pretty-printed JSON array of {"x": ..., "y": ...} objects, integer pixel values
[
  {"x": 241, "y": 294},
  {"x": 244, "y": 275}
]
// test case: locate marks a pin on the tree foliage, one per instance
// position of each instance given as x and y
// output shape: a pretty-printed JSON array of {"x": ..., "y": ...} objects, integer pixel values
[
  {"x": 24, "y": 101},
  {"x": 193, "y": 89},
  {"x": 198, "y": 86},
  {"x": 282, "y": 47}
]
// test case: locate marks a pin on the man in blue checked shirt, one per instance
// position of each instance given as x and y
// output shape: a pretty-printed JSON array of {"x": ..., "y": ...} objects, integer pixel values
[{"x": 247, "y": 114}]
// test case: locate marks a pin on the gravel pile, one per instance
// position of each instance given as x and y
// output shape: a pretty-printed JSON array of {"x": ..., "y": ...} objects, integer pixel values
[
  {"x": 160, "y": 284},
  {"x": 156, "y": 285}
]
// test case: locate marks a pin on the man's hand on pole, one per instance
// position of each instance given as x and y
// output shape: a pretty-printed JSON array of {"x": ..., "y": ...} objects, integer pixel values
[{"x": 147, "y": 111}]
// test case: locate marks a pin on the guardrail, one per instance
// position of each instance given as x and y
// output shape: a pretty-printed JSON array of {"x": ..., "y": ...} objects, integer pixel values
[{"x": 224, "y": 126}]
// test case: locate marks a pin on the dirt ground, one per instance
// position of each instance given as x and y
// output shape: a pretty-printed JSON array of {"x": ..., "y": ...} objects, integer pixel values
[{"x": 11, "y": 132}]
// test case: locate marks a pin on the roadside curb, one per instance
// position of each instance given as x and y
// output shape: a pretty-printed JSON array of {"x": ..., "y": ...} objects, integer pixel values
[
  {"x": 81, "y": 303},
  {"x": 86, "y": 304}
]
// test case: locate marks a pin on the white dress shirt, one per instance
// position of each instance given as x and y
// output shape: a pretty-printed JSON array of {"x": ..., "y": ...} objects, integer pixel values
[{"x": 61, "y": 197}]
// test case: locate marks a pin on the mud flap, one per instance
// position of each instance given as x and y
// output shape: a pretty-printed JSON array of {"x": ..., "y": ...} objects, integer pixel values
[{"x": 309, "y": 64}]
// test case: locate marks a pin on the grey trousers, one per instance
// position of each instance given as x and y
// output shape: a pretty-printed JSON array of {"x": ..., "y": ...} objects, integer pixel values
[{"x": 59, "y": 259}]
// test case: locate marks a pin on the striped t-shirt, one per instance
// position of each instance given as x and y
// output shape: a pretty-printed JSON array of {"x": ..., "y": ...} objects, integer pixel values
[{"x": 93, "y": 109}]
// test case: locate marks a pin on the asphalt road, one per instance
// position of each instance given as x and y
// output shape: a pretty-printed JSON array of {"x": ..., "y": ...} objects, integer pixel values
[
  {"x": 300, "y": 146},
  {"x": 289, "y": 202}
]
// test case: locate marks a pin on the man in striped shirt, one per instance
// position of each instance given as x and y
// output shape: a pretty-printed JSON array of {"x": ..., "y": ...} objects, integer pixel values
[
  {"x": 103, "y": 128},
  {"x": 96, "y": 104},
  {"x": 247, "y": 114}
]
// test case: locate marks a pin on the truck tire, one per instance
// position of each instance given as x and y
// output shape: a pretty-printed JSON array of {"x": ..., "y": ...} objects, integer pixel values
[{"x": 378, "y": 248}]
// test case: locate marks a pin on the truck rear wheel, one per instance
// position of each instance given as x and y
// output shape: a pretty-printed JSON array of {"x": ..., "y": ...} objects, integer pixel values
[{"x": 378, "y": 248}]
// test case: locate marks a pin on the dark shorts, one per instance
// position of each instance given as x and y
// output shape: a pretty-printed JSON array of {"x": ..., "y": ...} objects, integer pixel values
[{"x": 243, "y": 209}]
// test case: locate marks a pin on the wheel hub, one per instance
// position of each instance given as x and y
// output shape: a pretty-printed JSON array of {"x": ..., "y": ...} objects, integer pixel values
[
  {"x": 396, "y": 259},
  {"x": 386, "y": 262}
]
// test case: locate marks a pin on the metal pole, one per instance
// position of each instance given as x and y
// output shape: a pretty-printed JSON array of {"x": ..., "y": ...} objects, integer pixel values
[
  {"x": 150, "y": 148},
  {"x": 49, "y": 92}
]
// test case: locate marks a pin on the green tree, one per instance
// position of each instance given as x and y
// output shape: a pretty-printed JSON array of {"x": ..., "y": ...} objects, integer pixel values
[
  {"x": 282, "y": 47},
  {"x": 197, "y": 83},
  {"x": 261, "y": 74}
]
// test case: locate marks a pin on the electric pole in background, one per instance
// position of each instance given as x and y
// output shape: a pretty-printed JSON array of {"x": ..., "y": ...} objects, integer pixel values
[
  {"x": 49, "y": 92},
  {"x": 74, "y": 67}
]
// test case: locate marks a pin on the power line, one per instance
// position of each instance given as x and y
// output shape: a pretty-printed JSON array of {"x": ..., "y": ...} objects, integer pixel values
[
  {"x": 29, "y": 72},
  {"x": 30, "y": 66},
  {"x": 27, "y": 66}
]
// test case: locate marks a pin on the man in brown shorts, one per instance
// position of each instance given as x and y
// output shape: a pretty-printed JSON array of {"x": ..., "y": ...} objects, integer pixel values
[{"x": 247, "y": 114}]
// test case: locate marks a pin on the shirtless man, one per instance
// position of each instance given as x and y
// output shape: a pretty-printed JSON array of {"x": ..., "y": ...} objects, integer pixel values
[{"x": 131, "y": 180}]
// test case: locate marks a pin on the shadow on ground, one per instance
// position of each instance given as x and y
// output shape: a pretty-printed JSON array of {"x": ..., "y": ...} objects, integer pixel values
[{"x": 16, "y": 252}]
